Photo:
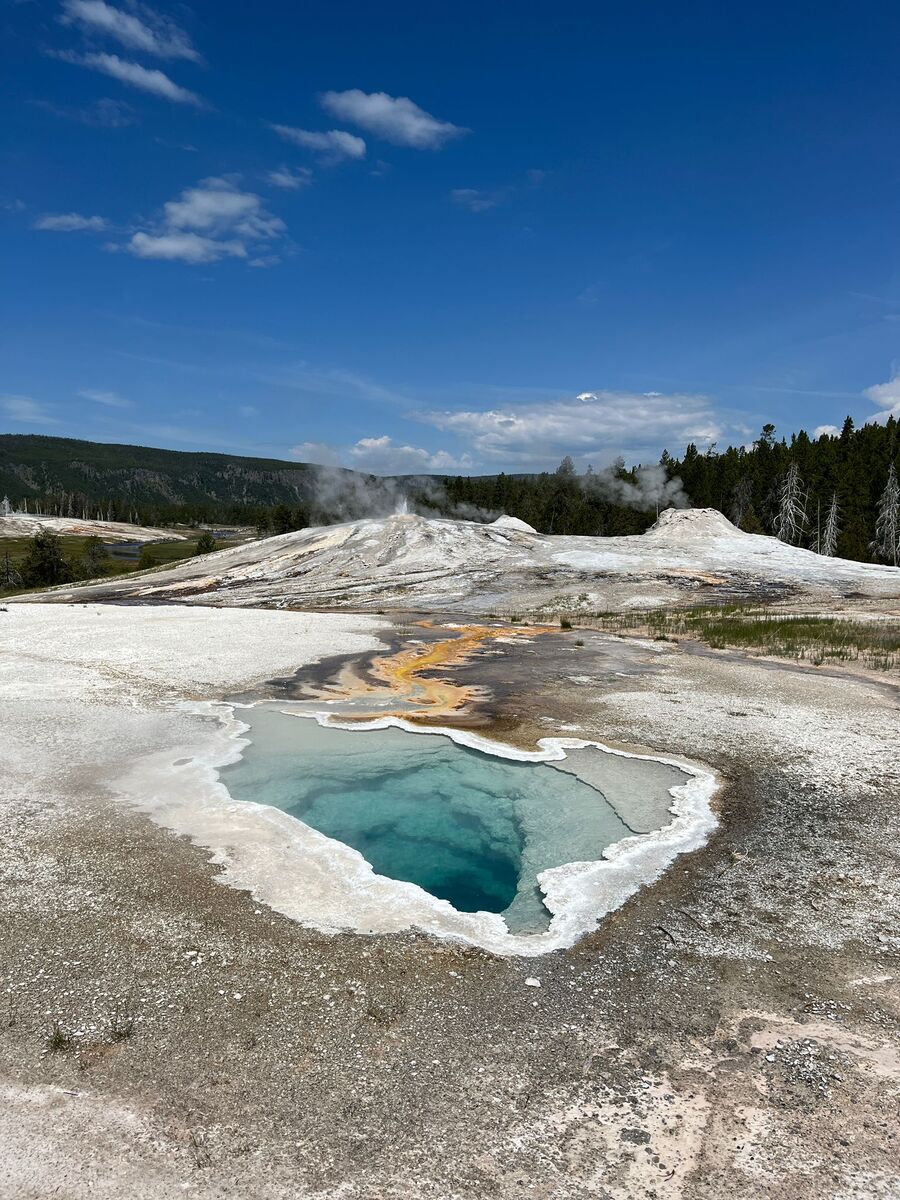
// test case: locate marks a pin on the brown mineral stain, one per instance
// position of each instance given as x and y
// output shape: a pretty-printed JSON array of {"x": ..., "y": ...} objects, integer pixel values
[{"x": 403, "y": 674}]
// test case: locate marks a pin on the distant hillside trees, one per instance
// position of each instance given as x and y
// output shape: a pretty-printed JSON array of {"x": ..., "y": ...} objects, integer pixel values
[{"x": 838, "y": 485}]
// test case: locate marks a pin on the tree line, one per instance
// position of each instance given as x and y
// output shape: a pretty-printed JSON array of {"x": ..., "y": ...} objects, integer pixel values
[{"x": 837, "y": 494}]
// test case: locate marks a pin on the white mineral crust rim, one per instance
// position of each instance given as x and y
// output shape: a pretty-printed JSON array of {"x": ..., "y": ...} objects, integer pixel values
[{"x": 329, "y": 886}]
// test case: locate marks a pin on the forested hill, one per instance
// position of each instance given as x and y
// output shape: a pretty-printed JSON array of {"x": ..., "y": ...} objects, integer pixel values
[{"x": 64, "y": 475}]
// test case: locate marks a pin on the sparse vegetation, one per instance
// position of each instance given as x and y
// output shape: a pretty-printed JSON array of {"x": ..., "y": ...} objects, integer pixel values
[
  {"x": 815, "y": 639},
  {"x": 121, "y": 1022},
  {"x": 59, "y": 1040},
  {"x": 25, "y": 565}
]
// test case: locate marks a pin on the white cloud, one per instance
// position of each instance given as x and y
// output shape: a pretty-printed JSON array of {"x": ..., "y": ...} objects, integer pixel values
[
  {"x": 217, "y": 206},
  {"x": 291, "y": 179},
  {"x": 396, "y": 119},
  {"x": 25, "y": 411},
  {"x": 70, "y": 223},
  {"x": 248, "y": 410},
  {"x": 108, "y": 399},
  {"x": 333, "y": 144},
  {"x": 148, "y": 32},
  {"x": 382, "y": 456},
  {"x": 887, "y": 397},
  {"x": 592, "y": 426},
  {"x": 823, "y": 430},
  {"x": 316, "y": 452},
  {"x": 184, "y": 247},
  {"x": 209, "y": 222},
  {"x": 132, "y": 74},
  {"x": 475, "y": 200}
]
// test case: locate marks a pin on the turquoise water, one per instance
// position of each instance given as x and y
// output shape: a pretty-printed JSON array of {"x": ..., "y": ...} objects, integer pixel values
[{"x": 468, "y": 827}]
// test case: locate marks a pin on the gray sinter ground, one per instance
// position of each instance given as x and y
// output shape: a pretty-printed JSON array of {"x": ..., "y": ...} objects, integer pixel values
[{"x": 733, "y": 1031}]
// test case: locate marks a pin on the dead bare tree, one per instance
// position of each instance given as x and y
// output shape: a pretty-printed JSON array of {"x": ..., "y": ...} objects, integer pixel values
[
  {"x": 790, "y": 520},
  {"x": 887, "y": 527},
  {"x": 828, "y": 543}
]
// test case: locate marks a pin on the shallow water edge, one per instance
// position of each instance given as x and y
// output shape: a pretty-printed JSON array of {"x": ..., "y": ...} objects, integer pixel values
[{"x": 327, "y": 885}]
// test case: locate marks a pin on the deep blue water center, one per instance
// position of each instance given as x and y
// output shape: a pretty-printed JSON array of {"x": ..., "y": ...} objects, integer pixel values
[{"x": 467, "y": 827}]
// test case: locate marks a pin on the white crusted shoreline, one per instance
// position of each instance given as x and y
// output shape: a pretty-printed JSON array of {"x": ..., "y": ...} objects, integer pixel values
[
  {"x": 330, "y": 886},
  {"x": 82, "y": 685}
]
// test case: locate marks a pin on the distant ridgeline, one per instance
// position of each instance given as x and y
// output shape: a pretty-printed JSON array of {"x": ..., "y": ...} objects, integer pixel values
[
  {"x": 68, "y": 477},
  {"x": 836, "y": 494}
]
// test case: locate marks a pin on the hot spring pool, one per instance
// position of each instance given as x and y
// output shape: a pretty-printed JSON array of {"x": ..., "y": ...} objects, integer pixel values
[{"x": 466, "y": 826}]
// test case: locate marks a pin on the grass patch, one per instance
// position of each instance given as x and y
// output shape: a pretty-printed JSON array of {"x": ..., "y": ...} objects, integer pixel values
[
  {"x": 59, "y": 1040},
  {"x": 814, "y": 639}
]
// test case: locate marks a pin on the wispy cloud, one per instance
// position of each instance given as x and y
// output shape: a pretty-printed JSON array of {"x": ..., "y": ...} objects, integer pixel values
[
  {"x": 25, "y": 411},
  {"x": 70, "y": 223},
  {"x": 132, "y": 74},
  {"x": 107, "y": 399},
  {"x": 209, "y": 222},
  {"x": 476, "y": 200},
  {"x": 396, "y": 119},
  {"x": 332, "y": 144},
  {"x": 316, "y": 452},
  {"x": 594, "y": 425},
  {"x": 383, "y": 456},
  {"x": 102, "y": 114},
  {"x": 291, "y": 178},
  {"x": 380, "y": 456},
  {"x": 479, "y": 200},
  {"x": 140, "y": 29},
  {"x": 335, "y": 381}
]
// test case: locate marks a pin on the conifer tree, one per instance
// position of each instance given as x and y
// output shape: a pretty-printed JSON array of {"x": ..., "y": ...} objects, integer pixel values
[
  {"x": 44, "y": 562},
  {"x": 741, "y": 500}
]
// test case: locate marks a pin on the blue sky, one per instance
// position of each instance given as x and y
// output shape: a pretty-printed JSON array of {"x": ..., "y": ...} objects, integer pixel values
[{"x": 440, "y": 237}]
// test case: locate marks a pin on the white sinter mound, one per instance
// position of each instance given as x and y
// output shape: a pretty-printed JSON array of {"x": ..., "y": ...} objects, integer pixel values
[
  {"x": 18, "y": 525},
  {"x": 689, "y": 556}
]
